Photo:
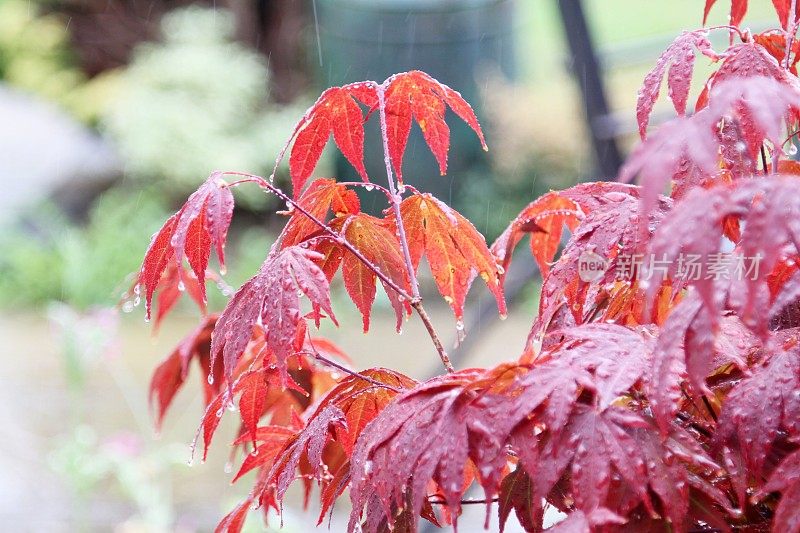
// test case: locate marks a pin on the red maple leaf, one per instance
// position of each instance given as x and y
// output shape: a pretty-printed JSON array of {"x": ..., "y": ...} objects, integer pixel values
[
  {"x": 335, "y": 112},
  {"x": 201, "y": 223},
  {"x": 271, "y": 300},
  {"x": 455, "y": 250},
  {"x": 170, "y": 375},
  {"x": 679, "y": 56},
  {"x": 417, "y": 95},
  {"x": 321, "y": 197}
]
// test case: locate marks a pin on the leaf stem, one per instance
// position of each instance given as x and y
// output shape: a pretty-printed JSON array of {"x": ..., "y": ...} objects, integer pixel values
[
  {"x": 416, "y": 302},
  {"x": 395, "y": 198},
  {"x": 439, "y": 501},
  {"x": 368, "y": 185},
  {"x": 264, "y": 184},
  {"x": 791, "y": 29},
  {"x": 437, "y": 342},
  {"x": 318, "y": 356}
]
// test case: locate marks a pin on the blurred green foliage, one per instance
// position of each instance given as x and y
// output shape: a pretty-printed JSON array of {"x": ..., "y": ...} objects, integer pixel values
[
  {"x": 51, "y": 258},
  {"x": 35, "y": 57},
  {"x": 197, "y": 102},
  {"x": 91, "y": 264}
]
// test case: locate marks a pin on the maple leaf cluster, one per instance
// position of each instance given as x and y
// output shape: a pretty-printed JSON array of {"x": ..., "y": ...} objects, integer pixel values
[{"x": 636, "y": 403}]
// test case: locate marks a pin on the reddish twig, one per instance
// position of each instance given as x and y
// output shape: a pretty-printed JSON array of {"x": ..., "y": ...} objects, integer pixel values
[
  {"x": 264, "y": 184},
  {"x": 321, "y": 358},
  {"x": 416, "y": 303},
  {"x": 790, "y": 33},
  {"x": 395, "y": 198}
]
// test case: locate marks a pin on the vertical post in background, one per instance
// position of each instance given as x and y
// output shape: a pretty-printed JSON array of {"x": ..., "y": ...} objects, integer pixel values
[{"x": 586, "y": 70}]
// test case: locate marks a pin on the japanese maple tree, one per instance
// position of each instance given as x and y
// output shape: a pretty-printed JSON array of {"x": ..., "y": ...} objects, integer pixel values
[{"x": 658, "y": 393}]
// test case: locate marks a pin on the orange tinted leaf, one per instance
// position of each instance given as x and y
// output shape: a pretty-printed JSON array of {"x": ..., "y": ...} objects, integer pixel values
[
  {"x": 376, "y": 240},
  {"x": 323, "y": 196},
  {"x": 455, "y": 250},
  {"x": 416, "y": 94},
  {"x": 544, "y": 219}
]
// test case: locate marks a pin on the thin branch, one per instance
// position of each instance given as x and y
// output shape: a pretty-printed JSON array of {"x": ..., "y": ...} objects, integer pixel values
[
  {"x": 368, "y": 185},
  {"x": 791, "y": 31},
  {"x": 416, "y": 300},
  {"x": 437, "y": 342},
  {"x": 321, "y": 358},
  {"x": 395, "y": 198},
  {"x": 416, "y": 303},
  {"x": 764, "y": 160},
  {"x": 438, "y": 501},
  {"x": 324, "y": 227}
]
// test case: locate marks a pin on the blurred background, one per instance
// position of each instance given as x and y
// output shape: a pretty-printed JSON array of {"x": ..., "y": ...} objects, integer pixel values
[{"x": 112, "y": 112}]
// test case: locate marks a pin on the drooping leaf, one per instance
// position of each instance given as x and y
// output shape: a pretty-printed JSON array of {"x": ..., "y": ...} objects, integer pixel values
[
  {"x": 455, "y": 250},
  {"x": 679, "y": 57},
  {"x": 335, "y": 112},
  {"x": 170, "y": 375},
  {"x": 169, "y": 292},
  {"x": 271, "y": 300},
  {"x": 201, "y": 223},
  {"x": 427, "y": 433},
  {"x": 544, "y": 219},
  {"x": 361, "y": 401},
  {"x": 376, "y": 240},
  {"x": 269, "y": 441},
  {"x": 783, "y": 9},
  {"x": 417, "y": 95},
  {"x": 786, "y": 479},
  {"x": 737, "y": 13},
  {"x": 761, "y": 405},
  {"x": 516, "y": 495},
  {"x": 616, "y": 355},
  {"x": 596, "y": 444},
  {"x": 322, "y": 197},
  {"x": 308, "y": 443},
  {"x": 690, "y": 146}
]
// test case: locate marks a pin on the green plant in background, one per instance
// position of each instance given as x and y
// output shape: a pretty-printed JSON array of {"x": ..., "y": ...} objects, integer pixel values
[
  {"x": 196, "y": 102},
  {"x": 58, "y": 260},
  {"x": 91, "y": 462},
  {"x": 35, "y": 57}
]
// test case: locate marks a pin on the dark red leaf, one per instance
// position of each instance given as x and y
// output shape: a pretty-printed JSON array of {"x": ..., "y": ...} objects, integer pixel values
[
  {"x": 271, "y": 300},
  {"x": 679, "y": 56},
  {"x": 201, "y": 223}
]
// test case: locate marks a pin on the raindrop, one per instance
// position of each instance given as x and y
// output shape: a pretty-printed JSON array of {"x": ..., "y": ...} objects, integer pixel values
[
  {"x": 228, "y": 467},
  {"x": 369, "y": 186},
  {"x": 181, "y": 286},
  {"x": 210, "y": 379},
  {"x": 791, "y": 150},
  {"x": 127, "y": 307}
]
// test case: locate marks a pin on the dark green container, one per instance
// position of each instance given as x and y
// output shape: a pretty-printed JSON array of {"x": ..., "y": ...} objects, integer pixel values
[{"x": 452, "y": 40}]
